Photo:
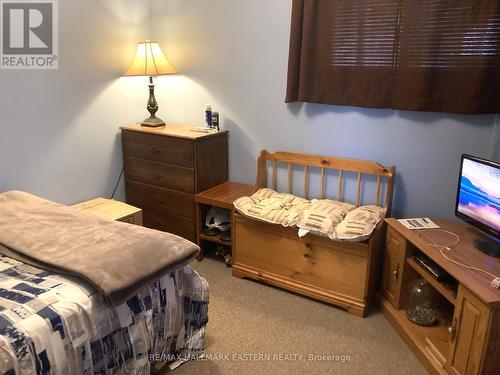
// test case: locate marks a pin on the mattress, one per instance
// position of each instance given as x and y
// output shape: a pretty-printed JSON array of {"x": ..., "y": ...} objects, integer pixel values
[{"x": 52, "y": 324}]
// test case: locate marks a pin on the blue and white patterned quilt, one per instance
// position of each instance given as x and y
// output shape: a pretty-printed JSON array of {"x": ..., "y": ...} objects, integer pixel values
[{"x": 50, "y": 324}]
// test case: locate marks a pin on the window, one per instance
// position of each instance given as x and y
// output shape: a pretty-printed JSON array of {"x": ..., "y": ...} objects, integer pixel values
[{"x": 428, "y": 55}]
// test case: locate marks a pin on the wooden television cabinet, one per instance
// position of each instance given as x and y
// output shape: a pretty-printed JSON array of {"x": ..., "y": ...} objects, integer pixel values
[{"x": 466, "y": 338}]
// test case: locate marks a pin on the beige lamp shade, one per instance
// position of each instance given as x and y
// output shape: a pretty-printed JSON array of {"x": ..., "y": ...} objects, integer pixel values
[{"x": 150, "y": 61}]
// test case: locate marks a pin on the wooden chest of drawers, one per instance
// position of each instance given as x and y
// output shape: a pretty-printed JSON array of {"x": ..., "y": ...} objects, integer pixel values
[{"x": 165, "y": 167}]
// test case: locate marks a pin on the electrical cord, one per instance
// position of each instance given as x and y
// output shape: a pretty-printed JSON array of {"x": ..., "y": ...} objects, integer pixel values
[
  {"x": 117, "y": 182},
  {"x": 495, "y": 283}
]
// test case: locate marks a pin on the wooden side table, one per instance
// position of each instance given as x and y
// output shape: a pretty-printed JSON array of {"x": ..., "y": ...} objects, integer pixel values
[
  {"x": 222, "y": 196},
  {"x": 111, "y": 209}
]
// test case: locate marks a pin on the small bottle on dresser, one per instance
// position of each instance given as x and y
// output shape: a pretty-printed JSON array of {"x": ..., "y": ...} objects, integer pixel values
[
  {"x": 211, "y": 120},
  {"x": 215, "y": 121},
  {"x": 208, "y": 115}
]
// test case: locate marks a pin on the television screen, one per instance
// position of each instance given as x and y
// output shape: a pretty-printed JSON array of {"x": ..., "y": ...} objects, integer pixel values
[{"x": 479, "y": 194}]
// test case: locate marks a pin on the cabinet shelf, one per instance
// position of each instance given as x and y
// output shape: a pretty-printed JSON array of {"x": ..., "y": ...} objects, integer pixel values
[
  {"x": 461, "y": 341},
  {"x": 436, "y": 284},
  {"x": 214, "y": 239},
  {"x": 222, "y": 196},
  {"x": 435, "y": 339}
]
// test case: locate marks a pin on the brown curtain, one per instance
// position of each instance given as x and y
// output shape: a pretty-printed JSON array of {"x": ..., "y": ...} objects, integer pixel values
[{"x": 427, "y": 55}]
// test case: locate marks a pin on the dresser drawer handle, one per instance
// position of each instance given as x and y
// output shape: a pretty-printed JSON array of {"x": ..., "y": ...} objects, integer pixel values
[
  {"x": 159, "y": 222},
  {"x": 157, "y": 175},
  {"x": 158, "y": 199},
  {"x": 155, "y": 150}
]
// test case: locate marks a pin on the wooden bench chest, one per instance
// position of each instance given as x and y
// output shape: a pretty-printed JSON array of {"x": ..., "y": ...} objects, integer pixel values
[{"x": 341, "y": 273}]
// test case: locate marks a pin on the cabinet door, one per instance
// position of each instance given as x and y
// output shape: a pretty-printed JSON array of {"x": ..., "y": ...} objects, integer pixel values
[
  {"x": 468, "y": 336},
  {"x": 395, "y": 249}
]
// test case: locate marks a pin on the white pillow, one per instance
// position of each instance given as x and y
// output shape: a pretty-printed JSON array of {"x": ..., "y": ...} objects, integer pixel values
[
  {"x": 359, "y": 223},
  {"x": 263, "y": 193},
  {"x": 322, "y": 216},
  {"x": 291, "y": 213},
  {"x": 272, "y": 207}
]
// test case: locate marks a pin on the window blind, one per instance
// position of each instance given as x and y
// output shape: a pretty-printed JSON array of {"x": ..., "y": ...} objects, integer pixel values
[
  {"x": 447, "y": 58},
  {"x": 363, "y": 33},
  {"x": 341, "y": 52},
  {"x": 448, "y": 34},
  {"x": 432, "y": 55}
]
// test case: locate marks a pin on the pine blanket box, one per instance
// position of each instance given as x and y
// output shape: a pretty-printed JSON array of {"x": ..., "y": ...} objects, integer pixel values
[{"x": 341, "y": 273}]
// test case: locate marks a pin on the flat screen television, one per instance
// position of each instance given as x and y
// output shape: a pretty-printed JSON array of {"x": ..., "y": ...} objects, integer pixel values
[{"x": 478, "y": 200}]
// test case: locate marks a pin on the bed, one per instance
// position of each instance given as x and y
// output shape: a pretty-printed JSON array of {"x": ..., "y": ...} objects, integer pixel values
[
  {"x": 338, "y": 272},
  {"x": 56, "y": 319}
]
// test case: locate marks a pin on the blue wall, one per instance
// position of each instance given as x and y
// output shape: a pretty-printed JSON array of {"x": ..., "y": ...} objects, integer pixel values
[
  {"x": 233, "y": 55},
  {"x": 59, "y": 133}
]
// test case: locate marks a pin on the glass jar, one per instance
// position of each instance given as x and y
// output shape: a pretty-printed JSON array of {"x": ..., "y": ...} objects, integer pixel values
[{"x": 422, "y": 304}]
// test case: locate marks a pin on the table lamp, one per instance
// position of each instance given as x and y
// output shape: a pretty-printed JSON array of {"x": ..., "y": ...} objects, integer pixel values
[{"x": 150, "y": 61}]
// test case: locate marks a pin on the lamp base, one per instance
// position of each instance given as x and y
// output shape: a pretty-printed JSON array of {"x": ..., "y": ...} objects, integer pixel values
[{"x": 153, "y": 122}]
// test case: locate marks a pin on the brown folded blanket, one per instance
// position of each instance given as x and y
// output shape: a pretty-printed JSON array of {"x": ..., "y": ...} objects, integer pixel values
[{"x": 118, "y": 259}]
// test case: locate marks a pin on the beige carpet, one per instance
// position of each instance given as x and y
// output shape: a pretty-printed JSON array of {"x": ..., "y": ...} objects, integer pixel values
[{"x": 246, "y": 317}]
